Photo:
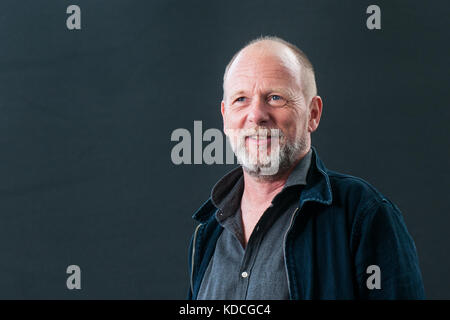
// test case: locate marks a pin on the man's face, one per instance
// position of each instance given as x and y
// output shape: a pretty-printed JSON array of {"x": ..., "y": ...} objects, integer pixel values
[{"x": 263, "y": 91}]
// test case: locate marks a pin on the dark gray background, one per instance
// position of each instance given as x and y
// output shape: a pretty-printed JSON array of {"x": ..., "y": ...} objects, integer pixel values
[{"x": 86, "y": 116}]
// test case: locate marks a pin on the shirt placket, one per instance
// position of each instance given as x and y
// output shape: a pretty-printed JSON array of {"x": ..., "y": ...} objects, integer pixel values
[{"x": 251, "y": 252}]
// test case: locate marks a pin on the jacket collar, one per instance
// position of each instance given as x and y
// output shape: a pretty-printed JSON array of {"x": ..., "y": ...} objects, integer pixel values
[{"x": 317, "y": 189}]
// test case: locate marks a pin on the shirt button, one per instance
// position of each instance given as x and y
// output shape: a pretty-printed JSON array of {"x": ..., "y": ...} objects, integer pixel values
[{"x": 244, "y": 274}]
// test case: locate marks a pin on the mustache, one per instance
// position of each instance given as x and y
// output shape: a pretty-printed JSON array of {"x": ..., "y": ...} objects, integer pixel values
[{"x": 260, "y": 131}]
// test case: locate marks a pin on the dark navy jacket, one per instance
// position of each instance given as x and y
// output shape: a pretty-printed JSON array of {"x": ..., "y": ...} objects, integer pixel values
[{"x": 342, "y": 226}]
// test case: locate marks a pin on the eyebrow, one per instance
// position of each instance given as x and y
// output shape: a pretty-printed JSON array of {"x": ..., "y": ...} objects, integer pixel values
[
  {"x": 237, "y": 93},
  {"x": 283, "y": 91}
]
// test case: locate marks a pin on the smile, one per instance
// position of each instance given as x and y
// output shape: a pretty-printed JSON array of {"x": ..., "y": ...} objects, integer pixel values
[{"x": 258, "y": 140}]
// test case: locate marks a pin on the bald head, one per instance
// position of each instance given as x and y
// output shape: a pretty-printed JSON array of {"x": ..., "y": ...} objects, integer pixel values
[{"x": 279, "y": 51}]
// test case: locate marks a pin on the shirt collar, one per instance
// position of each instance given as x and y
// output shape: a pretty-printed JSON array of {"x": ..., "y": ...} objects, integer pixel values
[
  {"x": 227, "y": 192},
  {"x": 318, "y": 189},
  {"x": 300, "y": 172}
]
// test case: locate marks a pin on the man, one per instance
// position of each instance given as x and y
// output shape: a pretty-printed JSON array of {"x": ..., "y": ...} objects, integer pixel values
[{"x": 282, "y": 226}]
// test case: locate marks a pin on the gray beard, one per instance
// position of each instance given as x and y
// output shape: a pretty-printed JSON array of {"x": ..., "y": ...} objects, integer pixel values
[{"x": 289, "y": 153}]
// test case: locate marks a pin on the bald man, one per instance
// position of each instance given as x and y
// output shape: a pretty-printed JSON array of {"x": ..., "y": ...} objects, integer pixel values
[{"x": 281, "y": 225}]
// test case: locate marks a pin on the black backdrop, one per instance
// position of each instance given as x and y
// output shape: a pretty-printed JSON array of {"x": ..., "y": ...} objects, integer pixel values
[{"x": 86, "y": 116}]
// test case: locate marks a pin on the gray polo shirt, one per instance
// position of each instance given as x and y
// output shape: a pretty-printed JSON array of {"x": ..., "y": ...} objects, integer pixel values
[{"x": 256, "y": 272}]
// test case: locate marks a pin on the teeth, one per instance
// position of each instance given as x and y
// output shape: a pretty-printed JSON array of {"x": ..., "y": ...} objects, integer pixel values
[{"x": 263, "y": 135}]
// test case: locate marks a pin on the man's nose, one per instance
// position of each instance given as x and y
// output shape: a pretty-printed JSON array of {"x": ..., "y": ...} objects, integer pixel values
[{"x": 258, "y": 112}]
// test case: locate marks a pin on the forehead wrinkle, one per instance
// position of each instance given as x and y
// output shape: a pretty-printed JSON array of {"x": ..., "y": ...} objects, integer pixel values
[
  {"x": 259, "y": 65},
  {"x": 268, "y": 79},
  {"x": 264, "y": 64}
]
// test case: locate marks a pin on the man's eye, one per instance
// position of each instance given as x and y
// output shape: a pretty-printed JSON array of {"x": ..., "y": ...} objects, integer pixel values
[
  {"x": 277, "y": 101},
  {"x": 240, "y": 99}
]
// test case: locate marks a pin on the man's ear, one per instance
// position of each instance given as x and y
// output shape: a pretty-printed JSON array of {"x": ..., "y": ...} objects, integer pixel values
[
  {"x": 315, "y": 113},
  {"x": 222, "y": 110}
]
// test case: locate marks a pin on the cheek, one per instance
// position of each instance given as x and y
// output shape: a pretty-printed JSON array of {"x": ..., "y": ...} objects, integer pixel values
[
  {"x": 289, "y": 126},
  {"x": 293, "y": 126},
  {"x": 232, "y": 120},
  {"x": 231, "y": 126}
]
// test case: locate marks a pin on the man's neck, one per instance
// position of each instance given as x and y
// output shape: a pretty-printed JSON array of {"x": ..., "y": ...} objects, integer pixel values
[{"x": 259, "y": 191}]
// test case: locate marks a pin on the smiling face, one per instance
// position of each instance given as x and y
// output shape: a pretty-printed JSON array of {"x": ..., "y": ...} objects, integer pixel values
[{"x": 263, "y": 90}]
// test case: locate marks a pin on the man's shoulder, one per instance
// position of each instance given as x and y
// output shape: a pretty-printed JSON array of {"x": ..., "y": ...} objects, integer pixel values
[
  {"x": 344, "y": 180},
  {"x": 354, "y": 191}
]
